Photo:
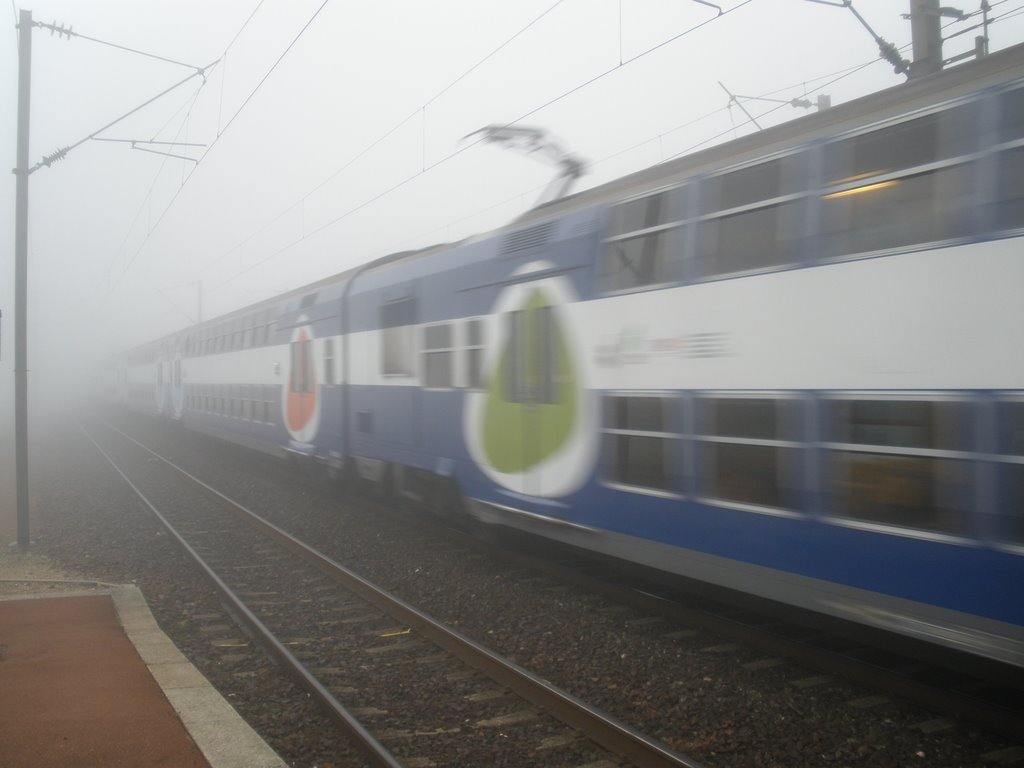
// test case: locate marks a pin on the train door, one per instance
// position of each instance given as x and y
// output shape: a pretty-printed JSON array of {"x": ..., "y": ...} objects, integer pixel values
[
  {"x": 301, "y": 397},
  {"x": 530, "y": 410},
  {"x": 529, "y": 389},
  {"x": 532, "y": 429},
  {"x": 159, "y": 389},
  {"x": 177, "y": 389}
]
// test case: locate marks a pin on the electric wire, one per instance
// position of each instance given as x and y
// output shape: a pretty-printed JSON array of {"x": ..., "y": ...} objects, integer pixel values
[
  {"x": 618, "y": 153},
  {"x": 376, "y": 142},
  {"x": 61, "y": 30},
  {"x": 152, "y": 186},
  {"x": 178, "y": 191},
  {"x": 459, "y": 151},
  {"x": 1010, "y": 14},
  {"x": 776, "y": 108},
  {"x": 245, "y": 24},
  {"x": 837, "y": 75},
  {"x": 268, "y": 73}
]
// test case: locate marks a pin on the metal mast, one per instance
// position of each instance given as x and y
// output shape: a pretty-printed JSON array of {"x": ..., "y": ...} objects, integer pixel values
[{"x": 21, "y": 278}]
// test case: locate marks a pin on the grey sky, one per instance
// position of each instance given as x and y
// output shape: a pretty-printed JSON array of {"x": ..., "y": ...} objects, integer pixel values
[{"x": 114, "y": 262}]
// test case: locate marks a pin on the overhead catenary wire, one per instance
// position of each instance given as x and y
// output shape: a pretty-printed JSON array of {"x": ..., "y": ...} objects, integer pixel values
[
  {"x": 459, "y": 151},
  {"x": 245, "y": 24},
  {"x": 177, "y": 192},
  {"x": 419, "y": 111},
  {"x": 268, "y": 73},
  {"x": 844, "y": 72},
  {"x": 152, "y": 186}
]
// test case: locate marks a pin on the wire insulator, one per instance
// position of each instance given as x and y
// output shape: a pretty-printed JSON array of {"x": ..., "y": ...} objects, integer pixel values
[{"x": 56, "y": 157}]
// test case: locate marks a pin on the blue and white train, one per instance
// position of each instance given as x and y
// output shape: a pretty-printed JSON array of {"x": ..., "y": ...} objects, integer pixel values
[{"x": 790, "y": 365}]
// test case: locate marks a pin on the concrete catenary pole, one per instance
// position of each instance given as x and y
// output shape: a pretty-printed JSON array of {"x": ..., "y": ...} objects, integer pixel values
[
  {"x": 21, "y": 279},
  {"x": 926, "y": 32}
]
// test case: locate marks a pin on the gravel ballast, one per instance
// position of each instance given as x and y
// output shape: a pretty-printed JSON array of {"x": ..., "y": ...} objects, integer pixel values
[{"x": 703, "y": 696}]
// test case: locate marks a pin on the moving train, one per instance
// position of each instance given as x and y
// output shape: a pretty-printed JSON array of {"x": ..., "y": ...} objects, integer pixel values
[{"x": 789, "y": 365}]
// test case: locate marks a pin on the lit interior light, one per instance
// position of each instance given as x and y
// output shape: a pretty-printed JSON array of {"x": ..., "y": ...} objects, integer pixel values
[{"x": 859, "y": 190}]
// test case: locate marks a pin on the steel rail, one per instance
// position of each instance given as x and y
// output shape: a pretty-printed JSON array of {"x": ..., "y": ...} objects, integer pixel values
[
  {"x": 377, "y": 752},
  {"x": 599, "y": 726}
]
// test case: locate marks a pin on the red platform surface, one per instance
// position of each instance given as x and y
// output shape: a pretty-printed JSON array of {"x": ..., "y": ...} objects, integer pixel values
[{"x": 75, "y": 693}]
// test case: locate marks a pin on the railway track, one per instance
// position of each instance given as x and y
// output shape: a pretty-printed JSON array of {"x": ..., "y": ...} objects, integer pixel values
[
  {"x": 814, "y": 651},
  {"x": 409, "y": 690},
  {"x": 703, "y": 691}
]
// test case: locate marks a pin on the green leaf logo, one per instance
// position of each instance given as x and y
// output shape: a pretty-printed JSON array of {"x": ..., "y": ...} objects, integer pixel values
[{"x": 531, "y": 399}]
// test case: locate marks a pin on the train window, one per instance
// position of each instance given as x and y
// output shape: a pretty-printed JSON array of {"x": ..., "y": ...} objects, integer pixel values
[
  {"x": 647, "y": 212},
  {"x": 764, "y": 181},
  {"x": 637, "y": 261},
  {"x": 247, "y": 338},
  {"x": 438, "y": 356},
  {"x": 328, "y": 361},
  {"x": 397, "y": 351},
  {"x": 532, "y": 367},
  {"x": 475, "y": 353},
  {"x": 747, "y": 454},
  {"x": 1010, "y": 471},
  {"x": 876, "y": 215},
  {"x": 1011, "y": 115},
  {"x": 302, "y": 378},
  {"x": 909, "y": 491},
  {"x": 937, "y": 424},
  {"x": 642, "y": 442},
  {"x": 758, "y": 418},
  {"x": 895, "y": 147},
  {"x": 1011, "y": 420},
  {"x": 1009, "y": 203},
  {"x": 886, "y": 469},
  {"x": 514, "y": 386},
  {"x": 265, "y": 404},
  {"x": 397, "y": 354},
  {"x": 1012, "y": 528},
  {"x": 643, "y": 243},
  {"x": 760, "y": 238}
]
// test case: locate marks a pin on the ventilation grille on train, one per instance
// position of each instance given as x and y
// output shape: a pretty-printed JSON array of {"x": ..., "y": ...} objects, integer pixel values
[{"x": 528, "y": 239}]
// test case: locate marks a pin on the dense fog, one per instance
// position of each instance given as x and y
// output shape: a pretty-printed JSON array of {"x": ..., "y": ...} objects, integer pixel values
[{"x": 327, "y": 136}]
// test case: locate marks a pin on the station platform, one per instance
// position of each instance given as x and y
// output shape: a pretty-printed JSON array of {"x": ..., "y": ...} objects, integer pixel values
[{"x": 87, "y": 678}]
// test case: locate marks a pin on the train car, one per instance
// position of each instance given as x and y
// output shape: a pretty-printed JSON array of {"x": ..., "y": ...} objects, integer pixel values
[
  {"x": 787, "y": 365},
  {"x": 268, "y": 376}
]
